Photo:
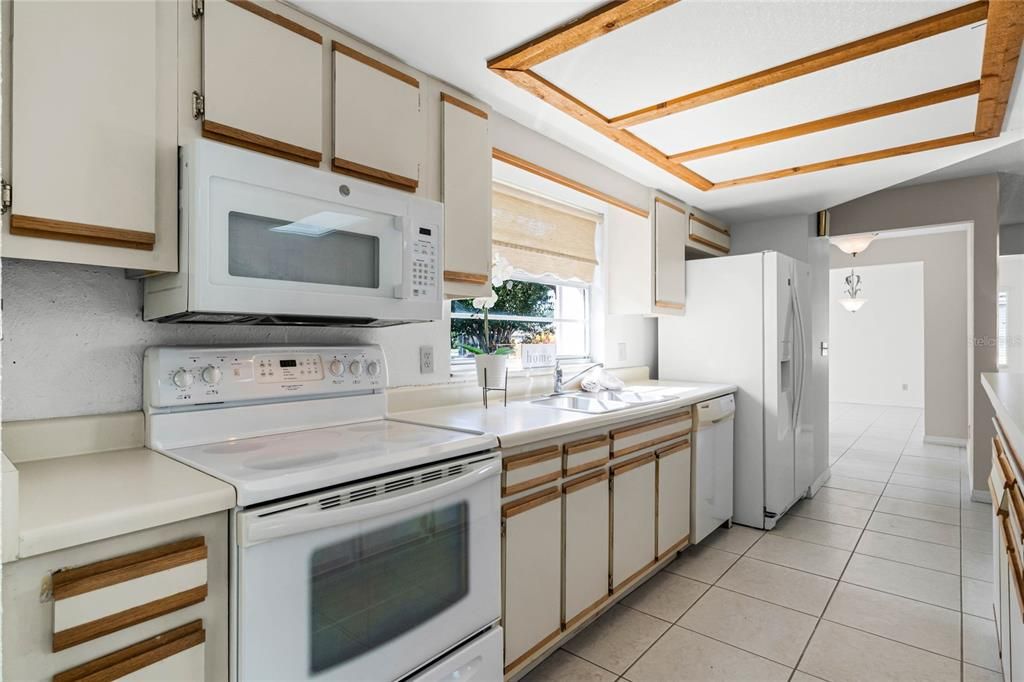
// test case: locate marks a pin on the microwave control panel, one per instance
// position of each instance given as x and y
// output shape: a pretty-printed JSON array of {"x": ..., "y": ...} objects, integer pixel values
[
  {"x": 425, "y": 252},
  {"x": 192, "y": 376}
]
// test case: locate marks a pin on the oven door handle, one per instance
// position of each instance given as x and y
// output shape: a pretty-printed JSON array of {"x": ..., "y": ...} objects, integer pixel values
[{"x": 253, "y": 529}]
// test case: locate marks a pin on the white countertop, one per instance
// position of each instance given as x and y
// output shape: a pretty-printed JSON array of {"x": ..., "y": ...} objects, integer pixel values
[
  {"x": 1006, "y": 391},
  {"x": 70, "y": 501},
  {"x": 521, "y": 422},
  {"x": 67, "y": 496}
]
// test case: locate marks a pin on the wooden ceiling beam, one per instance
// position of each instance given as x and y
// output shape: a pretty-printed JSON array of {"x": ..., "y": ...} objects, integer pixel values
[
  {"x": 852, "y": 160},
  {"x": 902, "y": 35},
  {"x": 595, "y": 24},
  {"x": 549, "y": 92},
  {"x": 1003, "y": 37},
  {"x": 837, "y": 121}
]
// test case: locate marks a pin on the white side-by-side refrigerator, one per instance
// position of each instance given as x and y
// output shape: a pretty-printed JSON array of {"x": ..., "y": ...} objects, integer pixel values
[{"x": 747, "y": 322}]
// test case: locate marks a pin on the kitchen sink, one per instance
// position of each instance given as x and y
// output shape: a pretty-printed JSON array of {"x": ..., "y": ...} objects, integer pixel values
[
  {"x": 601, "y": 401},
  {"x": 578, "y": 402}
]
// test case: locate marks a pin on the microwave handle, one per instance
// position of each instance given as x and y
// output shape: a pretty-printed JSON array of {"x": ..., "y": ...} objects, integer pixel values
[{"x": 254, "y": 530}]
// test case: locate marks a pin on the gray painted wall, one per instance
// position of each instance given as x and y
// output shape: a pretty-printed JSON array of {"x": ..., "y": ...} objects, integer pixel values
[
  {"x": 1011, "y": 239},
  {"x": 974, "y": 200},
  {"x": 945, "y": 320},
  {"x": 796, "y": 236}
]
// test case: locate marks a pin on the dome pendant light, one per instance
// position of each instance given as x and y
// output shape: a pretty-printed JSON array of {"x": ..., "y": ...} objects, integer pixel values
[{"x": 853, "y": 244}]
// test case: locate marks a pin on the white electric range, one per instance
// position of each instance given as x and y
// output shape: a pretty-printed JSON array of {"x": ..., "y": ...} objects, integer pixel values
[{"x": 363, "y": 548}]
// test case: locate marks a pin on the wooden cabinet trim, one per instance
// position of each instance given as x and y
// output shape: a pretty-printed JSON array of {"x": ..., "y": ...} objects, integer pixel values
[
  {"x": 708, "y": 243},
  {"x": 516, "y": 488},
  {"x": 1009, "y": 450},
  {"x": 529, "y": 502},
  {"x": 633, "y": 577},
  {"x": 585, "y": 482},
  {"x": 467, "y": 277},
  {"x": 619, "y": 469},
  {"x": 585, "y": 444},
  {"x": 137, "y": 656},
  {"x": 1017, "y": 505},
  {"x": 526, "y": 459},
  {"x": 533, "y": 650},
  {"x": 673, "y": 449},
  {"x": 669, "y": 204},
  {"x": 48, "y": 228},
  {"x": 1004, "y": 464},
  {"x": 707, "y": 223},
  {"x": 585, "y": 613},
  {"x": 654, "y": 423},
  {"x": 585, "y": 466},
  {"x": 283, "y": 22},
  {"x": 375, "y": 64},
  {"x": 127, "y": 618},
  {"x": 260, "y": 143},
  {"x": 997, "y": 509},
  {"x": 465, "y": 106},
  {"x": 75, "y": 581},
  {"x": 358, "y": 170},
  {"x": 669, "y": 304},
  {"x": 676, "y": 547}
]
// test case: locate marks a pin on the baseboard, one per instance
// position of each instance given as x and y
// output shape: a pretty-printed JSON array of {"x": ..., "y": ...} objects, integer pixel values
[
  {"x": 821, "y": 480},
  {"x": 981, "y": 496},
  {"x": 943, "y": 440}
]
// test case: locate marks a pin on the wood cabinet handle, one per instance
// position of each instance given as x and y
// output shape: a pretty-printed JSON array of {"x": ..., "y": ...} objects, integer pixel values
[
  {"x": 137, "y": 656},
  {"x": 619, "y": 469},
  {"x": 529, "y": 502}
]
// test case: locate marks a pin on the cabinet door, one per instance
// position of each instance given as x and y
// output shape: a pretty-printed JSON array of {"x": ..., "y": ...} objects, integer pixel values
[
  {"x": 532, "y": 571},
  {"x": 708, "y": 237},
  {"x": 669, "y": 257},
  {"x": 673, "y": 497},
  {"x": 94, "y": 146},
  {"x": 262, "y": 81},
  {"x": 378, "y": 130},
  {"x": 633, "y": 531},
  {"x": 466, "y": 192},
  {"x": 585, "y": 502}
]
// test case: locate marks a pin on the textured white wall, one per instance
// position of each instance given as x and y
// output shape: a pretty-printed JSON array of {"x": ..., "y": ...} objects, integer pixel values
[
  {"x": 73, "y": 338},
  {"x": 879, "y": 350}
]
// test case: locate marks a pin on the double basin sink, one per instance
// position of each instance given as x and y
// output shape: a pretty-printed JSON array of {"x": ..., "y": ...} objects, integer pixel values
[{"x": 601, "y": 401}]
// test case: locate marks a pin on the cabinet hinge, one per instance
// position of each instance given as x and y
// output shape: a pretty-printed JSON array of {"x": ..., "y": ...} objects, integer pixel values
[
  {"x": 6, "y": 196},
  {"x": 198, "y": 105},
  {"x": 198, "y": 7}
]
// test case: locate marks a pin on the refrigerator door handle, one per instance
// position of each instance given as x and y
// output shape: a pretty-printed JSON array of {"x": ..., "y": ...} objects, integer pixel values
[{"x": 799, "y": 333}]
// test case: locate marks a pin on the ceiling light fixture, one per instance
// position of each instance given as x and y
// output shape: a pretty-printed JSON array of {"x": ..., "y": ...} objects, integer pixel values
[
  {"x": 853, "y": 244},
  {"x": 851, "y": 302}
]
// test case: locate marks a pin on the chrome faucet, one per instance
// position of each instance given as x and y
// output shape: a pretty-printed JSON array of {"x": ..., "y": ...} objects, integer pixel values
[{"x": 559, "y": 382}]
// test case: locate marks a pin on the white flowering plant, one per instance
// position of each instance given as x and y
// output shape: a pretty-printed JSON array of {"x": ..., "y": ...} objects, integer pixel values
[{"x": 501, "y": 271}]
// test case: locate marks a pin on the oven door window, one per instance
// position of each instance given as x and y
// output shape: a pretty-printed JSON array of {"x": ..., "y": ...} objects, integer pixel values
[
  {"x": 341, "y": 249},
  {"x": 372, "y": 588}
]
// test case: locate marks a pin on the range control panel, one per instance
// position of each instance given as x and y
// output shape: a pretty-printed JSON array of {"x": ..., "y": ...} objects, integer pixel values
[{"x": 193, "y": 376}]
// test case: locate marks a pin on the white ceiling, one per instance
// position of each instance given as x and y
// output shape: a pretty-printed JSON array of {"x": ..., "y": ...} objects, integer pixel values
[{"x": 695, "y": 44}]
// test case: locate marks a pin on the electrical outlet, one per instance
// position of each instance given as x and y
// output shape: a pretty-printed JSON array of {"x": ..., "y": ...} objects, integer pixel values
[
  {"x": 426, "y": 359},
  {"x": 622, "y": 351},
  {"x": 906, "y": 387}
]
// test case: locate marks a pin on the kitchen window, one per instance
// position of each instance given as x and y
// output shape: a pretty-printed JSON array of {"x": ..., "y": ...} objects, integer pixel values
[
  {"x": 545, "y": 258},
  {"x": 1002, "y": 304}
]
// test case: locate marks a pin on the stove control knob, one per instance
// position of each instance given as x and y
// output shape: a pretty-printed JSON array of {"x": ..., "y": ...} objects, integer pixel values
[
  {"x": 211, "y": 375},
  {"x": 355, "y": 368},
  {"x": 336, "y": 367},
  {"x": 182, "y": 379},
  {"x": 373, "y": 368}
]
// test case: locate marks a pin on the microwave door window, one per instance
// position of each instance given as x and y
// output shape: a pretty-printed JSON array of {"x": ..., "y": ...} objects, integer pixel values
[
  {"x": 368, "y": 590},
  {"x": 324, "y": 248}
]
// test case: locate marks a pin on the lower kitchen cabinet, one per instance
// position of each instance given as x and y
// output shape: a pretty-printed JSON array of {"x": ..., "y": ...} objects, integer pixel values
[
  {"x": 633, "y": 518},
  {"x": 531, "y": 572},
  {"x": 585, "y": 503},
  {"x": 673, "y": 497}
]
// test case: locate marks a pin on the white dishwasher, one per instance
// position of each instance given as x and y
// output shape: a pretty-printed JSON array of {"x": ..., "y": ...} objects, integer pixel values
[{"x": 712, "y": 466}]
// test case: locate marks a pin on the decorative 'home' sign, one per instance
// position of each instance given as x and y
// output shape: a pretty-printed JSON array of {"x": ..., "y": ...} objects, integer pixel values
[{"x": 537, "y": 355}]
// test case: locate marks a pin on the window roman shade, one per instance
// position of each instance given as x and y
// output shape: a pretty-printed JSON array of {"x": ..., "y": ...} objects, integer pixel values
[{"x": 542, "y": 238}]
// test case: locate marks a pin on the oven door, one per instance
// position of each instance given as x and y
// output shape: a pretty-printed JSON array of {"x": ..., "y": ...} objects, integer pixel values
[{"x": 371, "y": 581}]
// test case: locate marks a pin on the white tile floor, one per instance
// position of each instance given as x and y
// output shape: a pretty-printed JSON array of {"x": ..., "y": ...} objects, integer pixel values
[{"x": 883, "y": 575}]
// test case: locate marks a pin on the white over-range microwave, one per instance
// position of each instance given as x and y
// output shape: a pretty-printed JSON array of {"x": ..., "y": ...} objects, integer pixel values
[{"x": 269, "y": 241}]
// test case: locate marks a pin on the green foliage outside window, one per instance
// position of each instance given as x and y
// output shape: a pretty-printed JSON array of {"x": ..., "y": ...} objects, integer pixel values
[{"x": 515, "y": 297}]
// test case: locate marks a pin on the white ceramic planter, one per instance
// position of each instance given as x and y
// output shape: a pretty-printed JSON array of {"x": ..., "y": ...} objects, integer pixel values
[{"x": 495, "y": 366}]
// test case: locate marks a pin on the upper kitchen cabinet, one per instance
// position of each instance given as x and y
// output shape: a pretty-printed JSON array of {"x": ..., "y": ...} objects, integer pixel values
[
  {"x": 466, "y": 192},
  {"x": 707, "y": 237},
  {"x": 670, "y": 232},
  {"x": 379, "y": 130},
  {"x": 93, "y": 165},
  {"x": 262, "y": 81}
]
